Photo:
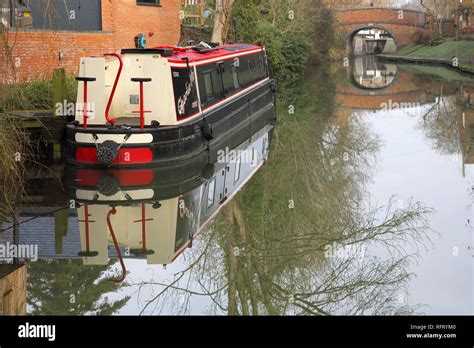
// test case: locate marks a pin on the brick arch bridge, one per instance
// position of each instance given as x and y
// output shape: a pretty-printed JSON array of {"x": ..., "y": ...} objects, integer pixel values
[
  {"x": 406, "y": 90},
  {"x": 405, "y": 26}
]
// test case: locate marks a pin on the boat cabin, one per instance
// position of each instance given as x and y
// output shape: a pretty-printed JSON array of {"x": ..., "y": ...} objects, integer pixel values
[{"x": 165, "y": 85}]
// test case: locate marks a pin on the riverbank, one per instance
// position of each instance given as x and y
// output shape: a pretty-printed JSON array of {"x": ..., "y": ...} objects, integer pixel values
[
  {"x": 436, "y": 72},
  {"x": 456, "y": 55}
]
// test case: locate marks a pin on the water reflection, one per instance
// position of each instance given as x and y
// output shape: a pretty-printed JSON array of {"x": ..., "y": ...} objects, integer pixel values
[
  {"x": 368, "y": 73},
  {"x": 156, "y": 213},
  {"x": 423, "y": 119},
  {"x": 151, "y": 213},
  {"x": 362, "y": 191},
  {"x": 296, "y": 240}
]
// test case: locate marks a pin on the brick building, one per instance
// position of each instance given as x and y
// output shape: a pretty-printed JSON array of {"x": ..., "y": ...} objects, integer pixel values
[
  {"x": 466, "y": 14},
  {"x": 39, "y": 35}
]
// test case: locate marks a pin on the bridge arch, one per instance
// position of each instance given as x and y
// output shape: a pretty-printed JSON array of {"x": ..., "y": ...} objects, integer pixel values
[
  {"x": 405, "y": 26},
  {"x": 354, "y": 31},
  {"x": 387, "y": 73}
]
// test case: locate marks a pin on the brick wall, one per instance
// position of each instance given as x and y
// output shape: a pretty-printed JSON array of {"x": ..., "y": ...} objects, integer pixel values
[
  {"x": 126, "y": 19},
  {"x": 34, "y": 54}
]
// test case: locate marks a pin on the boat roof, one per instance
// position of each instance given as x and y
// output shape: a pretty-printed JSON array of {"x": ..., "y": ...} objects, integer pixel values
[{"x": 177, "y": 54}]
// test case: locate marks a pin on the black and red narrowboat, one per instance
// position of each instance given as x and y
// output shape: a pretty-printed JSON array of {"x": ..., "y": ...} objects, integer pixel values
[
  {"x": 165, "y": 104},
  {"x": 156, "y": 212}
]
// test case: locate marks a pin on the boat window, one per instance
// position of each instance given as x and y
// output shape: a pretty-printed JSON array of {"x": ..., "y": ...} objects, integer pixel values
[
  {"x": 210, "y": 193},
  {"x": 251, "y": 70},
  {"x": 237, "y": 74},
  {"x": 237, "y": 169},
  {"x": 231, "y": 77},
  {"x": 185, "y": 92},
  {"x": 227, "y": 77},
  {"x": 254, "y": 158},
  {"x": 257, "y": 66},
  {"x": 208, "y": 85},
  {"x": 235, "y": 77},
  {"x": 245, "y": 76},
  {"x": 182, "y": 229},
  {"x": 262, "y": 71}
]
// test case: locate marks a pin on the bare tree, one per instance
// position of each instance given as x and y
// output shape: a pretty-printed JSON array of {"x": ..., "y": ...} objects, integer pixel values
[
  {"x": 263, "y": 257},
  {"x": 221, "y": 20}
]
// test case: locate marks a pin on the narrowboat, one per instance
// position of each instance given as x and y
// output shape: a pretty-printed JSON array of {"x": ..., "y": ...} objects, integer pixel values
[
  {"x": 153, "y": 215},
  {"x": 165, "y": 104}
]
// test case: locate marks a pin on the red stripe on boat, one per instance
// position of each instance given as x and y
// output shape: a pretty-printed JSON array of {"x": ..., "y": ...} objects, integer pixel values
[
  {"x": 134, "y": 177},
  {"x": 88, "y": 177},
  {"x": 126, "y": 156}
]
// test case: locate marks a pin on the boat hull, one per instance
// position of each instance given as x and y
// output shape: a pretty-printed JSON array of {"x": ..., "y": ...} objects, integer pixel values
[{"x": 168, "y": 144}]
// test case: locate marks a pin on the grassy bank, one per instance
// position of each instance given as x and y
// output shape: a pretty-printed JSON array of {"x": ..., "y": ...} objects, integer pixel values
[
  {"x": 33, "y": 95},
  {"x": 15, "y": 147},
  {"x": 441, "y": 52},
  {"x": 438, "y": 73}
]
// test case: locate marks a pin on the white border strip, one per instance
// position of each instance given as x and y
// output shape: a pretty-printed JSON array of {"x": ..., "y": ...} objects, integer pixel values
[{"x": 145, "y": 138}]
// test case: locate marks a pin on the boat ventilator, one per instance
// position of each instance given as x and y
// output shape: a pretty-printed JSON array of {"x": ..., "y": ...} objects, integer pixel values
[
  {"x": 108, "y": 151},
  {"x": 108, "y": 185}
]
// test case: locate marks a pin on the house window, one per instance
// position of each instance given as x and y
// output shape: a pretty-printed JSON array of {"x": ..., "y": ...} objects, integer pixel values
[{"x": 148, "y": 2}]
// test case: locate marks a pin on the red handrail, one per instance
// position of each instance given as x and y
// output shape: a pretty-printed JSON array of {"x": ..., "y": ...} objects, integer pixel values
[
  {"x": 174, "y": 48},
  {"x": 86, "y": 218},
  {"x": 110, "y": 119},
  {"x": 117, "y": 248}
]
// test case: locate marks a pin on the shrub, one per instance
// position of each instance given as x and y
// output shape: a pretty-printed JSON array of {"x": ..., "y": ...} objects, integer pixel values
[
  {"x": 290, "y": 42},
  {"x": 33, "y": 95}
]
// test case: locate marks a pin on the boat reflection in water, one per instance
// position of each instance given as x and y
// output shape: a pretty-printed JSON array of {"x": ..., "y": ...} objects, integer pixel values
[{"x": 156, "y": 212}]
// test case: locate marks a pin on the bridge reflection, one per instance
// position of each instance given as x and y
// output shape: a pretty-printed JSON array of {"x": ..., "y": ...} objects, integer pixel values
[
  {"x": 372, "y": 85},
  {"x": 446, "y": 108},
  {"x": 368, "y": 73}
]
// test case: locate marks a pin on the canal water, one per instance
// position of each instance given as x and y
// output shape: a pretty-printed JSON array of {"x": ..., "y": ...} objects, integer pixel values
[{"x": 359, "y": 201}]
